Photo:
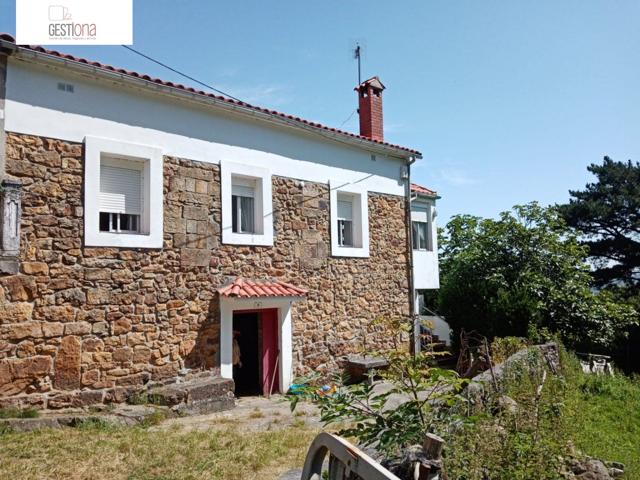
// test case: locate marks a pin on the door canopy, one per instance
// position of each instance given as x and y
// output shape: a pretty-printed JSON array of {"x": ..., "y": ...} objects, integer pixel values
[{"x": 245, "y": 288}]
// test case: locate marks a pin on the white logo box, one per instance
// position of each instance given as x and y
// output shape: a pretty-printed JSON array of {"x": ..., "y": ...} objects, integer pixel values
[{"x": 74, "y": 22}]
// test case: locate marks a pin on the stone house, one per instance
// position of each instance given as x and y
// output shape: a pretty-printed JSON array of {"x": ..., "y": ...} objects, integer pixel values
[{"x": 148, "y": 227}]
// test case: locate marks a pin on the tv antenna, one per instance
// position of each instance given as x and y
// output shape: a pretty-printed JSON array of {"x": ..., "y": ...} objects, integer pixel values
[{"x": 357, "y": 54}]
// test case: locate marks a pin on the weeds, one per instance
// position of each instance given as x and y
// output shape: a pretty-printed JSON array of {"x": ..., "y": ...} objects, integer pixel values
[
  {"x": 19, "y": 413},
  {"x": 140, "y": 453},
  {"x": 256, "y": 413}
]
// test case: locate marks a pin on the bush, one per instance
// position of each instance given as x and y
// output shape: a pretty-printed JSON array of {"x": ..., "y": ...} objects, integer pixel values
[{"x": 413, "y": 400}]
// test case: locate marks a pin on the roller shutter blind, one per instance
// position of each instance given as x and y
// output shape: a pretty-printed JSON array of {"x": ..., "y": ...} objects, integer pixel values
[
  {"x": 345, "y": 209},
  {"x": 120, "y": 190}
]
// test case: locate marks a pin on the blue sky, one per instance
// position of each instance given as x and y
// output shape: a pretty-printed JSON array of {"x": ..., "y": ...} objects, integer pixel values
[{"x": 508, "y": 100}]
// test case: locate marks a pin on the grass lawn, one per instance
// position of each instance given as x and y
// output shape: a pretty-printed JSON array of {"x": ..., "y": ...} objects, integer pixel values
[
  {"x": 604, "y": 419},
  {"x": 99, "y": 452}
]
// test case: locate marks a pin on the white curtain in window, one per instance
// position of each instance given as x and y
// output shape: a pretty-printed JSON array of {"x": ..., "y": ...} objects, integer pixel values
[
  {"x": 120, "y": 190},
  {"x": 246, "y": 214}
]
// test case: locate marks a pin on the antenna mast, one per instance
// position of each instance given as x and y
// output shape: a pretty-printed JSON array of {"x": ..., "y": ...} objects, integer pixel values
[{"x": 357, "y": 56}]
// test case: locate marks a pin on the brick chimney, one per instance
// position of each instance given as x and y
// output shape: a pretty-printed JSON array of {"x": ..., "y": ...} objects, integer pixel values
[{"x": 370, "y": 108}]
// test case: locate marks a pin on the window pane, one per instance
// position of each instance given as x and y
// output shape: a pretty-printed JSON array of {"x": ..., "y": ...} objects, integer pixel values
[
  {"x": 345, "y": 233},
  {"x": 414, "y": 233},
  {"x": 348, "y": 233},
  {"x": 104, "y": 221},
  {"x": 246, "y": 210},
  {"x": 125, "y": 223},
  {"x": 234, "y": 214},
  {"x": 423, "y": 235}
]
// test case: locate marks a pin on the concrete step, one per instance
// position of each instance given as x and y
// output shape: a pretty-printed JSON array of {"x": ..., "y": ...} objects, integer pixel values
[{"x": 200, "y": 395}]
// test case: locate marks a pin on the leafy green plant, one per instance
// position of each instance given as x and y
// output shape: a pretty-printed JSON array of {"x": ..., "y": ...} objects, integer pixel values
[
  {"x": 412, "y": 399},
  {"x": 503, "y": 347}
]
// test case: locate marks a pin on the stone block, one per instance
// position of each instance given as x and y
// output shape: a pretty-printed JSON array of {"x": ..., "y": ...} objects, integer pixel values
[
  {"x": 15, "y": 312},
  {"x": 52, "y": 329},
  {"x": 67, "y": 364},
  {"x": 194, "y": 257},
  {"x": 190, "y": 212},
  {"x": 32, "y": 368},
  {"x": 19, "y": 331},
  {"x": 98, "y": 296},
  {"x": 35, "y": 268},
  {"x": 19, "y": 287},
  {"x": 77, "y": 328}
]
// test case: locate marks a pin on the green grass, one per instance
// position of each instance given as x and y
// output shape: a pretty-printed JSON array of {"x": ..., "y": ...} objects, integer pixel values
[
  {"x": 101, "y": 452},
  {"x": 599, "y": 415},
  {"x": 18, "y": 413},
  {"x": 603, "y": 418}
]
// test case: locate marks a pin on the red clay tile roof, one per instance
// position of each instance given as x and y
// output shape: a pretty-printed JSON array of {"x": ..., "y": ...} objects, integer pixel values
[
  {"x": 244, "y": 288},
  {"x": 9, "y": 38},
  {"x": 423, "y": 190}
]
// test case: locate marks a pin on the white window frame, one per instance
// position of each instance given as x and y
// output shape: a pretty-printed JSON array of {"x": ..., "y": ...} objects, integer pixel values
[
  {"x": 150, "y": 161},
  {"x": 262, "y": 205},
  {"x": 427, "y": 236},
  {"x": 425, "y": 212},
  {"x": 360, "y": 213}
]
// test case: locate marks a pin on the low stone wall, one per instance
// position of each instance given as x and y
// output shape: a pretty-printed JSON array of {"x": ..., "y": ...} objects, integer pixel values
[{"x": 81, "y": 325}]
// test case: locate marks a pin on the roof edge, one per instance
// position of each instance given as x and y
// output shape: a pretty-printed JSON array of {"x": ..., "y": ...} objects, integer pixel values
[{"x": 87, "y": 67}]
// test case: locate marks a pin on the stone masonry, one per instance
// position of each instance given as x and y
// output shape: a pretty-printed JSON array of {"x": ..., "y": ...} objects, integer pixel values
[{"x": 82, "y": 325}]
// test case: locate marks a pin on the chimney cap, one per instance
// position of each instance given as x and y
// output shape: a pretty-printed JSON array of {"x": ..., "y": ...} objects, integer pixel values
[{"x": 373, "y": 82}]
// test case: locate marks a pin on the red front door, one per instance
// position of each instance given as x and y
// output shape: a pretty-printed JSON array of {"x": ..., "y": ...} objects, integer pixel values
[{"x": 270, "y": 352}]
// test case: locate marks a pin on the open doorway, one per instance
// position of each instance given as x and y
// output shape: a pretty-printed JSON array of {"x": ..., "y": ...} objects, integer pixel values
[{"x": 255, "y": 370}]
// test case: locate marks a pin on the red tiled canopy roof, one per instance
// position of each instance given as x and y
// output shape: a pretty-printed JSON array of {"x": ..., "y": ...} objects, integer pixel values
[
  {"x": 9, "y": 38},
  {"x": 244, "y": 288},
  {"x": 423, "y": 190}
]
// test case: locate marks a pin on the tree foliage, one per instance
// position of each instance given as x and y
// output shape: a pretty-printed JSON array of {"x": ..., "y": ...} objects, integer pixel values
[
  {"x": 607, "y": 216},
  {"x": 526, "y": 269}
]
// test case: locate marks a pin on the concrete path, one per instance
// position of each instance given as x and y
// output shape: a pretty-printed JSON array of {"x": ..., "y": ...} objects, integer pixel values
[{"x": 251, "y": 414}]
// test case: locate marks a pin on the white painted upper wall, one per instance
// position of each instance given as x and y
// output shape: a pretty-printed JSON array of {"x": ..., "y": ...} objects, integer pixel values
[
  {"x": 98, "y": 107},
  {"x": 426, "y": 273}
]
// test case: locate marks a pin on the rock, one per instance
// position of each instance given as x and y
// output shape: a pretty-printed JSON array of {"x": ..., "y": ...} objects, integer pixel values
[
  {"x": 588, "y": 468},
  {"x": 15, "y": 312},
  {"x": 35, "y": 268},
  {"x": 202, "y": 395},
  {"x": 19, "y": 287},
  {"x": 67, "y": 364},
  {"x": 507, "y": 405}
]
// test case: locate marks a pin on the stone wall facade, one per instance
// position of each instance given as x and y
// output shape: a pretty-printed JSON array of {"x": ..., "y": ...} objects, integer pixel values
[{"x": 83, "y": 325}]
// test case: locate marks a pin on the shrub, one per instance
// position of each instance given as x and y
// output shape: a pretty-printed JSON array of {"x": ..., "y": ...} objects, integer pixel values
[{"x": 412, "y": 401}]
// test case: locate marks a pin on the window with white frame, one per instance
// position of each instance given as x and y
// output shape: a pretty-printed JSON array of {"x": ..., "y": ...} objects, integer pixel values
[
  {"x": 243, "y": 193},
  {"x": 247, "y": 217},
  {"x": 422, "y": 214},
  {"x": 349, "y": 221},
  {"x": 345, "y": 221},
  {"x": 123, "y": 194},
  {"x": 420, "y": 234}
]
